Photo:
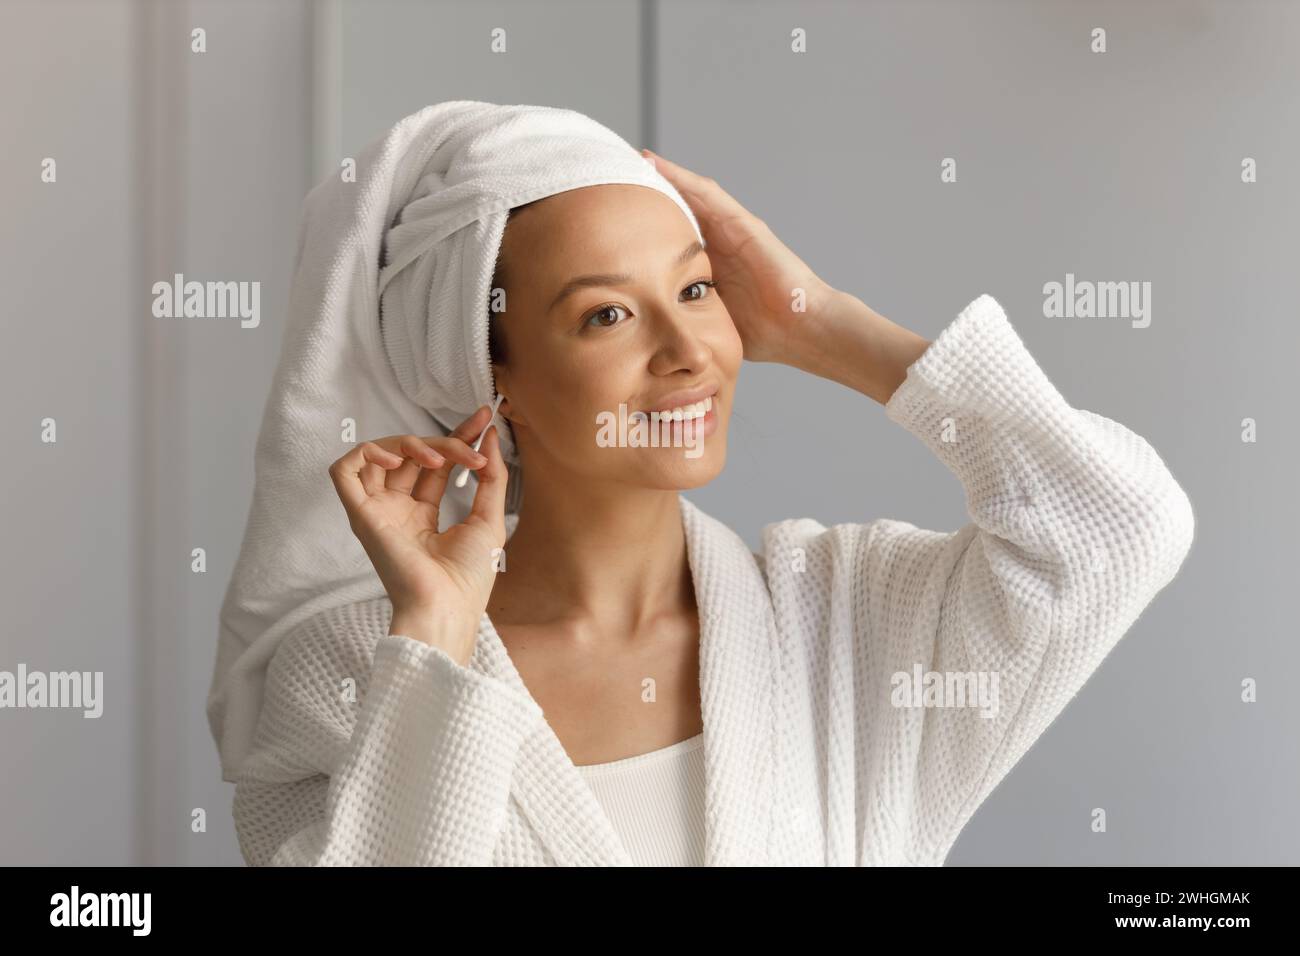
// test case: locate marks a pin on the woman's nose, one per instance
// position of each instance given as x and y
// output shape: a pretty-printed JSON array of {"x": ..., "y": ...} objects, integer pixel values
[{"x": 680, "y": 345}]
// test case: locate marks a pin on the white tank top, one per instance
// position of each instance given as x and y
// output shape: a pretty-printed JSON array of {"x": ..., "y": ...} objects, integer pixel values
[{"x": 655, "y": 801}]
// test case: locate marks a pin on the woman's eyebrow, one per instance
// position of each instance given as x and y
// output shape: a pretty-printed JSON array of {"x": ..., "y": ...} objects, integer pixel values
[{"x": 607, "y": 278}]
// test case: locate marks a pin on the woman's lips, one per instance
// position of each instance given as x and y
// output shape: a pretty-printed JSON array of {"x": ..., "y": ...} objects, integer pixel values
[
  {"x": 685, "y": 400},
  {"x": 697, "y": 428}
]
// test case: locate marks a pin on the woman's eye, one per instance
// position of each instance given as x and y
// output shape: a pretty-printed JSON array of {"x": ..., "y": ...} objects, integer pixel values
[
  {"x": 598, "y": 318},
  {"x": 704, "y": 283},
  {"x": 602, "y": 319}
]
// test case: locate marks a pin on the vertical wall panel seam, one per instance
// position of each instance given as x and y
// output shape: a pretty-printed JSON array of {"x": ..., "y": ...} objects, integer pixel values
[
  {"x": 326, "y": 89},
  {"x": 649, "y": 75},
  {"x": 161, "y": 162}
]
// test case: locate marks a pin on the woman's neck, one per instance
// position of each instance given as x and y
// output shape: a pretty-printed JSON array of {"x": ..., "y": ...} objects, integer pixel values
[{"x": 614, "y": 558}]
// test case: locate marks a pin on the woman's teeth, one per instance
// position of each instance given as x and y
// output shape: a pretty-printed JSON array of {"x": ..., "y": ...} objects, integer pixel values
[{"x": 686, "y": 413}]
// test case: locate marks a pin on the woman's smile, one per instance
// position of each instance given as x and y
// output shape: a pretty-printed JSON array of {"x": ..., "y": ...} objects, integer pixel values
[{"x": 686, "y": 423}]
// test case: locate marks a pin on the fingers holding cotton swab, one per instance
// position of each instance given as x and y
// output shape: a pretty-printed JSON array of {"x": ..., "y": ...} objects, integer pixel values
[
  {"x": 463, "y": 478},
  {"x": 490, "y": 496},
  {"x": 455, "y": 453}
]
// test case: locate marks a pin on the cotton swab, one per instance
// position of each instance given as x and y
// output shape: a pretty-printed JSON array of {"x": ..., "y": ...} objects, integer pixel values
[{"x": 463, "y": 478}]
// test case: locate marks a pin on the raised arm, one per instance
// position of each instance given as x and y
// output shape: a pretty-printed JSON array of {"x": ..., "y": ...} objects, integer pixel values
[
  {"x": 386, "y": 748},
  {"x": 1076, "y": 525}
]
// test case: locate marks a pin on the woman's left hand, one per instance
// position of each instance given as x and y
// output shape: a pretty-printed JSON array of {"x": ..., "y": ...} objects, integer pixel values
[{"x": 762, "y": 283}]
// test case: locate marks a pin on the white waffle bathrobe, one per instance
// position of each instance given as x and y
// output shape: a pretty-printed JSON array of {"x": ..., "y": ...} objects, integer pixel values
[{"x": 1076, "y": 525}]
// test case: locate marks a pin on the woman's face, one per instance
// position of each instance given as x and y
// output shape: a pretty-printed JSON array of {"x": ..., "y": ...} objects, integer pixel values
[{"x": 606, "y": 306}]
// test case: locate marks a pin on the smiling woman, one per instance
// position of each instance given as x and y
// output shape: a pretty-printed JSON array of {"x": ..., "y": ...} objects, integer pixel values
[
  {"x": 638, "y": 324},
  {"x": 500, "y": 718}
]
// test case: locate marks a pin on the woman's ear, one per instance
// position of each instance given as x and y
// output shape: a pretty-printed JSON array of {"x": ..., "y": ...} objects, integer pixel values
[{"x": 500, "y": 378}]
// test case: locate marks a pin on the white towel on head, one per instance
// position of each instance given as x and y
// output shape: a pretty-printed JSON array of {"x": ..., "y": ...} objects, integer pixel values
[{"x": 428, "y": 208}]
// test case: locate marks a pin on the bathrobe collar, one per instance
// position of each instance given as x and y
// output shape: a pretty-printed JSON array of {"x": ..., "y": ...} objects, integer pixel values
[{"x": 738, "y": 704}]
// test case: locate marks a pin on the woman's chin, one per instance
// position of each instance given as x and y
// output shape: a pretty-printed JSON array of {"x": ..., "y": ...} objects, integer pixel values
[{"x": 678, "y": 469}]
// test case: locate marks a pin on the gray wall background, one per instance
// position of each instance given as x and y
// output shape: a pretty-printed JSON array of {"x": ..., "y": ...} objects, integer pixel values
[{"x": 1116, "y": 167}]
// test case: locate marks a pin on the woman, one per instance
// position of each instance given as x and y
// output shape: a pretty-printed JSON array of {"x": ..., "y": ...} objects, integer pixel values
[{"x": 637, "y": 686}]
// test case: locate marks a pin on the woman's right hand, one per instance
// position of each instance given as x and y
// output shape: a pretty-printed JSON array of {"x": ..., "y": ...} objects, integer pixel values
[{"x": 438, "y": 582}]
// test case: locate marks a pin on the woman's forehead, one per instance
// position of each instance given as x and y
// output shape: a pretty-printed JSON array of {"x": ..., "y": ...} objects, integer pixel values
[{"x": 606, "y": 228}]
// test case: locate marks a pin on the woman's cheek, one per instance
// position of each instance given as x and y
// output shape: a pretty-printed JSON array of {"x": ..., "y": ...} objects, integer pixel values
[
  {"x": 589, "y": 431},
  {"x": 730, "y": 351}
]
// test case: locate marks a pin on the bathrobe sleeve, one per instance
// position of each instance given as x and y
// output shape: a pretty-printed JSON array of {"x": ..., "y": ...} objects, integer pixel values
[
  {"x": 415, "y": 772},
  {"x": 1076, "y": 524}
]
